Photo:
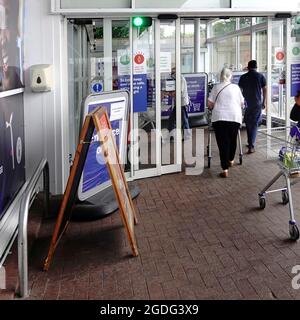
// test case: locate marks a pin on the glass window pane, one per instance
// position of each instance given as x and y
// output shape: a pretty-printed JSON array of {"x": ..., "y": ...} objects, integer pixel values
[
  {"x": 223, "y": 26},
  {"x": 295, "y": 34},
  {"x": 187, "y": 33},
  {"x": 245, "y": 51},
  {"x": 245, "y": 22},
  {"x": 120, "y": 52},
  {"x": 187, "y": 45},
  {"x": 261, "y": 50},
  {"x": 278, "y": 70},
  {"x": 260, "y": 20},
  {"x": 224, "y": 54}
]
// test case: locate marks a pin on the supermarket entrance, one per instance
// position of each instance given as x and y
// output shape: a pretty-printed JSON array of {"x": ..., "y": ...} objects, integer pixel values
[{"x": 106, "y": 54}]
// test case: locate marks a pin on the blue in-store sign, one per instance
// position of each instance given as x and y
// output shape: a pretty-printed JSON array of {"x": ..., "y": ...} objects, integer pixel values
[
  {"x": 95, "y": 171},
  {"x": 97, "y": 87},
  {"x": 139, "y": 90},
  {"x": 197, "y": 91},
  {"x": 295, "y": 79}
]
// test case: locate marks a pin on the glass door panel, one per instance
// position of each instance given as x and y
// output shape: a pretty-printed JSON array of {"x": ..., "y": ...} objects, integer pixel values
[
  {"x": 278, "y": 69},
  {"x": 168, "y": 92},
  {"x": 78, "y": 84},
  {"x": 120, "y": 62},
  {"x": 144, "y": 104}
]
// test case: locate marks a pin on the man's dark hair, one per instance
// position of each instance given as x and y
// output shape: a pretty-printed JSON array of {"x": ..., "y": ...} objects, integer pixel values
[
  {"x": 252, "y": 64},
  {"x": 298, "y": 94}
]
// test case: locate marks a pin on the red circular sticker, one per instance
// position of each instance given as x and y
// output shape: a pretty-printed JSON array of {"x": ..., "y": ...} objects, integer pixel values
[
  {"x": 279, "y": 55},
  {"x": 139, "y": 59}
]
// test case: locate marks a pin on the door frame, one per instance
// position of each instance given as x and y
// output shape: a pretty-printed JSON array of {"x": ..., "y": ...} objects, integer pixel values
[{"x": 160, "y": 169}]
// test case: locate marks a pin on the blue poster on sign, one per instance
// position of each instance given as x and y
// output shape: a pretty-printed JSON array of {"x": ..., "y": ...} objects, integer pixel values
[
  {"x": 295, "y": 79},
  {"x": 166, "y": 101},
  {"x": 197, "y": 90},
  {"x": 12, "y": 154},
  {"x": 95, "y": 176},
  {"x": 139, "y": 93},
  {"x": 95, "y": 172},
  {"x": 139, "y": 90}
]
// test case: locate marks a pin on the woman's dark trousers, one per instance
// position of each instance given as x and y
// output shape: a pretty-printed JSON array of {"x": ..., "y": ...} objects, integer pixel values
[{"x": 226, "y": 136}]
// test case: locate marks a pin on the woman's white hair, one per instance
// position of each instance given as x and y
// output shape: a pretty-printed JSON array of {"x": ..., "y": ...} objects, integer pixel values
[{"x": 226, "y": 75}]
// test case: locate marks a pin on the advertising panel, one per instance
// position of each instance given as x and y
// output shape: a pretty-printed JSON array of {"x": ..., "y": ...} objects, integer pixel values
[
  {"x": 197, "y": 90},
  {"x": 11, "y": 25},
  {"x": 295, "y": 79},
  {"x": 95, "y": 176},
  {"x": 12, "y": 155},
  {"x": 139, "y": 77}
]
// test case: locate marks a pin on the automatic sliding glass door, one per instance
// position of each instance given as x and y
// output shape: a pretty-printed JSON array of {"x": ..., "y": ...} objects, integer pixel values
[
  {"x": 110, "y": 54},
  {"x": 157, "y": 142},
  {"x": 170, "y": 104}
]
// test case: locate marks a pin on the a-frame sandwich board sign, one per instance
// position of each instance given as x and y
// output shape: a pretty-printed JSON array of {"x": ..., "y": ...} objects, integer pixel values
[{"x": 98, "y": 120}]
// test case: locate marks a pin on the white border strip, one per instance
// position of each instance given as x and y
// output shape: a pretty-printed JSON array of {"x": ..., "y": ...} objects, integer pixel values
[
  {"x": 183, "y": 12},
  {"x": 11, "y": 92}
]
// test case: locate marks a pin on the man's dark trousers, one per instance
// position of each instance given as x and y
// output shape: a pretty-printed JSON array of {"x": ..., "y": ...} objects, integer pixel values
[{"x": 252, "y": 120}]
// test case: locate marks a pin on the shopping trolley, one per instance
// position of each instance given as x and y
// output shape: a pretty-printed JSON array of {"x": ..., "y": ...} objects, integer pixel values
[
  {"x": 210, "y": 131},
  {"x": 282, "y": 144}
]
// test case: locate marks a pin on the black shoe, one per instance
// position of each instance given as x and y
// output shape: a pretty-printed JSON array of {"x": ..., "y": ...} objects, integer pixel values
[{"x": 251, "y": 150}]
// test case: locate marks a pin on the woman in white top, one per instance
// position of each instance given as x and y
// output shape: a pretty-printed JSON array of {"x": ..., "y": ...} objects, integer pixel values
[{"x": 226, "y": 102}]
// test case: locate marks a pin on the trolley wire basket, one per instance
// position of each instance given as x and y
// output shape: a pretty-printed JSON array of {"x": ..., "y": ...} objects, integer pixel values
[{"x": 282, "y": 144}]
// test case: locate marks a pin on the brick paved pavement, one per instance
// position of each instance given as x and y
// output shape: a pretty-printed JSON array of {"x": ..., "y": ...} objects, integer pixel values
[{"x": 199, "y": 237}]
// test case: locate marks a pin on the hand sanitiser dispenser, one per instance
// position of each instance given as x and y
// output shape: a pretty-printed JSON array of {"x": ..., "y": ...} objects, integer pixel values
[{"x": 41, "y": 77}]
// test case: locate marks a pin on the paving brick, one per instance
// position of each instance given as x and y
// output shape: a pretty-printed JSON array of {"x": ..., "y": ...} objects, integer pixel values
[
  {"x": 246, "y": 289},
  {"x": 199, "y": 237},
  {"x": 171, "y": 294},
  {"x": 227, "y": 284},
  {"x": 155, "y": 291}
]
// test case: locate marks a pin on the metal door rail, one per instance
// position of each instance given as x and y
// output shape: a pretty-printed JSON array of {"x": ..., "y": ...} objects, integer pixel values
[{"x": 23, "y": 221}]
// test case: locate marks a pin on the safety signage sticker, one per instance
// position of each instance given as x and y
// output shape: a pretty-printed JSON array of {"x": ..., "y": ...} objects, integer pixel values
[
  {"x": 97, "y": 86},
  {"x": 279, "y": 55}
]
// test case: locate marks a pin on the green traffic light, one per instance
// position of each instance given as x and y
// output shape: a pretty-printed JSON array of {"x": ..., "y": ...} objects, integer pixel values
[
  {"x": 141, "y": 21},
  {"x": 137, "y": 21}
]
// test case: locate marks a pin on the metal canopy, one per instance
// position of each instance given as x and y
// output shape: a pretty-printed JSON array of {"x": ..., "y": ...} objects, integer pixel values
[{"x": 181, "y": 12}]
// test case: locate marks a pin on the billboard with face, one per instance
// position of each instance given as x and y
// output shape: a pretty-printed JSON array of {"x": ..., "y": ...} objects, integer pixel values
[
  {"x": 11, "y": 25},
  {"x": 12, "y": 155}
]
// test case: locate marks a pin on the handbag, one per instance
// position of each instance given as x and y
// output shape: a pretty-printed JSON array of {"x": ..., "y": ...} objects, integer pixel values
[{"x": 221, "y": 91}]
